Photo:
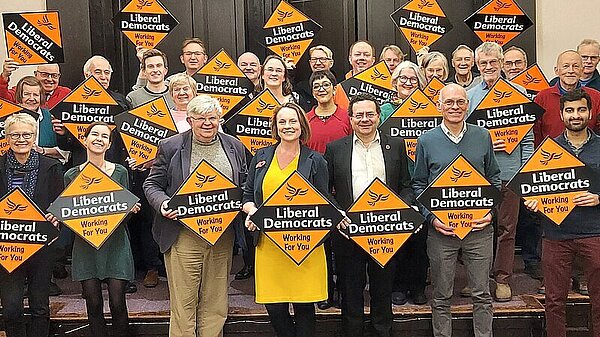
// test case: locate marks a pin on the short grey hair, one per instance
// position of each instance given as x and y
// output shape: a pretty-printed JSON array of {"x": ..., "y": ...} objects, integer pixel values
[
  {"x": 21, "y": 117},
  {"x": 588, "y": 42},
  {"x": 462, "y": 47},
  {"x": 204, "y": 104},
  {"x": 408, "y": 65},
  {"x": 436, "y": 55},
  {"x": 489, "y": 48},
  {"x": 87, "y": 67},
  {"x": 182, "y": 79},
  {"x": 520, "y": 50}
]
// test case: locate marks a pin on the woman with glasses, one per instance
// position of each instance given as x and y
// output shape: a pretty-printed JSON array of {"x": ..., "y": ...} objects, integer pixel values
[
  {"x": 320, "y": 58},
  {"x": 40, "y": 178},
  {"x": 406, "y": 78},
  {"x": 274, "y": 76}
]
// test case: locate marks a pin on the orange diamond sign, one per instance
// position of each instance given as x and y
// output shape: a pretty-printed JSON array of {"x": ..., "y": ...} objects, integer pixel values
[
  {"x": 145, "y": 22},
  {"x": 422, "y": 22},
  {"x": 499, "y": 21}
]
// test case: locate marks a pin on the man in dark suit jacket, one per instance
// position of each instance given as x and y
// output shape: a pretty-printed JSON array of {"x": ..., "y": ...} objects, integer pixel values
[{"x": 353, "y": 162}]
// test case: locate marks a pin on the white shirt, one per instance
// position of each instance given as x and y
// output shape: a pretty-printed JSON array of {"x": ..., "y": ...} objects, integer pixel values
[
  {"x": 367, "y": 163},
  {"x": 453, "y": 138}
]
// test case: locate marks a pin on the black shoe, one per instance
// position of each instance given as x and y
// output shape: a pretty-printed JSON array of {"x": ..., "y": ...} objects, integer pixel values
[
  {"x": 419, "y": 298},
  {"x": 399, "y": 298},
  {"x": 324, "y": 305},
  {"x": 54, "y": 289},
  {"x": 245, "y": 273},
  {"x": 59, "y": 271},
  {"x": 130, "y": 288},
  {"x": 534, "y": 271}
]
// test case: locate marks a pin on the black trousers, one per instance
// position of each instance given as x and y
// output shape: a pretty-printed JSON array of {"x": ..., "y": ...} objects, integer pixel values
[
  {"x": 352, "y": 269},
  {"x": 37, "y": 270},
  {"x": 414, "y": 261},
  {"x": 302, "y": 325}
]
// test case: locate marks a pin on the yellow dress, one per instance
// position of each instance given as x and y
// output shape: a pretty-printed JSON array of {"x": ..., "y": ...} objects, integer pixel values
[{"x": 278, "y": 278}]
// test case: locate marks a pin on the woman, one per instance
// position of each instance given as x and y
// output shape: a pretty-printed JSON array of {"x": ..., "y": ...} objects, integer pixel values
[
  {"x": 113, "y": 262},
  {"x": 279, "y": 281},
  {"x": 392, "y": 55},
  {"x": 435, "y": 64},
  {"x": 274, "y": 76},
  {"x": 197, "y": 272},
  {"x": 182, "y": 89},
  {"x": 40, "y": 178},
  {"x": 405, "y": 80}
]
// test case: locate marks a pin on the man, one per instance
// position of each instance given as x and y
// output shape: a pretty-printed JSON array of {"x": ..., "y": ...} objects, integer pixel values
[
  {"x": 193, "y": 57},
  {"x": 392, "y": 55},
  {"x": 361, "y": 56},
  {"x": 579, "y": 233},
  {"x": 569, "y": 68},
  {"x": 515, "y": 61},
  {"x": 320, "y": 58},
  {"x": 489, "y": 59},
  {"x": 48, "y": 74},
  {"x": 590, "y": 54},
  {"x": 463, "y": 60},
  {"x": 250, "y": 65},
  {"x": 353, "y": 162},
  {"x": 436, "y": 149},
  {"x": 154, "y": 67}
]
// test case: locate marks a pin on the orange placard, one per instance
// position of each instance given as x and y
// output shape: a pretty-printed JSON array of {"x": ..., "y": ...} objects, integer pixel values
[
  {"x": 422, "y": 22},
  {"x": 23, "y": 229},
  {"x": 33, "y": 37},
  {"x": 507, "y": 113},
  {"x": 499, "y": 21},
  {"x": 145, "y": 22},
  {"x": 552, "y": 176},
  {"x": 432, "y": 89},
  {"x": 93, "y": 205},
  {"x": 207, "y": 202},
  {"x": 296, "y": 217},
  {"x": 381, "y": 222},
  {"x": 532, "y": 79},
  {"x": 459, "y": 195},
  {"x": 375, "y": 80}
]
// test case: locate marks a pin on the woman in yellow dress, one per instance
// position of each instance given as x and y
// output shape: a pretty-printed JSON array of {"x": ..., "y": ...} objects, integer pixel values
[{"x": 279, "y": 281}]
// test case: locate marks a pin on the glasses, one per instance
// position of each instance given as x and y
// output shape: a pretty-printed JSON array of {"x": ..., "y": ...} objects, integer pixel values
[
  {"x": 492, "y": 63},
  {"x": 319, "y": 59},
  {"x": 319, "y": 86},
  {"x": 195, "y": 53},
  {"x": 590, "y": 57},
  {"x": 202, "y": 120},
  {"x": 15, "y": 136},
  {"x": 44, "y": 74},
  {"x": 412, "y": 80},
  {"x": 518, "y": 63},
  {"x": 368, "y": 115},
  {"x": 450, "y": 103}
]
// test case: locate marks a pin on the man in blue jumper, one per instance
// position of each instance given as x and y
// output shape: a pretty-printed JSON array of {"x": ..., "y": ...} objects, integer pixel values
[{"x": 436, "y": 149}]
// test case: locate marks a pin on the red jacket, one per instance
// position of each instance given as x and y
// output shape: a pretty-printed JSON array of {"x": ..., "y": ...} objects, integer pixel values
[
  {"x": 57, "y": 95},
  {"x": 550, "y": 124}
]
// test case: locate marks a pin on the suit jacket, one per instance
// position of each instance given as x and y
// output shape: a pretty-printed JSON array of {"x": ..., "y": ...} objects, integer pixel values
[
  {"x": 311, "y": 166},
  {"x": 339, "y": 163},
  {"x": 169, "y": 171}
]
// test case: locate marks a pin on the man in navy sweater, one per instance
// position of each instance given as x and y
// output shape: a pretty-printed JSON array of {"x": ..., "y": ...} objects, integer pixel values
[{"x": 579, "y": 233}]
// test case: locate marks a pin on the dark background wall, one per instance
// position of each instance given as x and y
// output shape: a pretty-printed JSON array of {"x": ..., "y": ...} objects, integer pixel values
[{"x": 232, "y": 24}]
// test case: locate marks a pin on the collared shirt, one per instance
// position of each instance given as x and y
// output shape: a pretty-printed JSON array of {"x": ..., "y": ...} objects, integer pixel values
[
  {"x": 367, "y": 164},
  {"x": 455, "y": 139},
  {"x": 575, "y": 149}
]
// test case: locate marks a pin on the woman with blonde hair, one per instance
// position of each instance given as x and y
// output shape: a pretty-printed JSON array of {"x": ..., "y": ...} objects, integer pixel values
[{"x": 182, "y": 88}]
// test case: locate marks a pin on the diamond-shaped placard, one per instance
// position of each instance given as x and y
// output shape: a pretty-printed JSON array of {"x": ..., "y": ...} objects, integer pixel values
[
  {"x": 381, "y": 222},
  {"x": 459, "y": 195},
  {"x": 375, "y": 80},
  {"x": 33, "y": 37},
  {"x": 288, "y": 32},
  {"x": 532, "y": 79},
  {"x": 145, "y": 22},
  {"x": 221, "y": 78},
  {"x": 93, "y": 205},
  {"x": 23, "y": 229},
  {"x": 6, "y": 109},
  {"x": 414, "y": 116},
  {"x": 507, "y": 113},
  {"x": 422, "y": 22},
  {"x": 552, "y": 176},
  {"x": 499, "y": 21},
  {"x": 143, "y": 127},
  {"x": 251, "y": 125},
  {"x": 433, "y": 88},
  {"x": 87, "y": 103},
  {"x": 207, "y": 202},
  {"x": 296, "y": 217}
]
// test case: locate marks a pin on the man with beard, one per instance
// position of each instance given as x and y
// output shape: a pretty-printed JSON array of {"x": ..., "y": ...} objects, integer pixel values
[
  {"x": 47, "y": 74},
  {"x": 579, "y": 233}
]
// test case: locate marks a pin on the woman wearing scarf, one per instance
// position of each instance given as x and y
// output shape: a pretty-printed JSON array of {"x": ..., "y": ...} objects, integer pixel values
[{"x": 40, "y": 177}]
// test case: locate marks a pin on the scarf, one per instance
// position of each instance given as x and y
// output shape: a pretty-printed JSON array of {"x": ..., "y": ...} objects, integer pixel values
[{"x": 29, "y": 170}]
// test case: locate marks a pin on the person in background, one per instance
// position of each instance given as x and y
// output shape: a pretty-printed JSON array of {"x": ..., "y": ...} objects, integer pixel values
[
  {"x": 182, "y": 89},
  {"x": 463, "y": 60},
  {"x": 392, "y": 55},
  {"x": 47, "y": 74},
  {"x": 250, "y": 65},
  {"x": 320, "y": 58},
  {"x": 361, "y": 56},
  {"x": 274, "y": 76},
  {"x": 40, "y": 178},
  {"x": 406, "y": 78},
  {"x": 515, "y": 62},
  {"x": 435, "y": 64},
  {"x": 589, "y": 49}
]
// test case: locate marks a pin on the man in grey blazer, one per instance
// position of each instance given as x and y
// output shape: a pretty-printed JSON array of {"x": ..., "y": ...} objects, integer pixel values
[{"x": 191, "y": 262}]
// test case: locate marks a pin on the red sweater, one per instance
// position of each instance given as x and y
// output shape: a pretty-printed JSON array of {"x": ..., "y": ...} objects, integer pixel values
[
  {"x": 57, "y": 95},
  {"x": 550, "y": 124},
  {"x": 323, "y": 132}
]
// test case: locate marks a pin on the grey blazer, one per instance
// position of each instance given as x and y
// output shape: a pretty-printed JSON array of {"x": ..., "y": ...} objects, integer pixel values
[{"x": 171, "y": 168}]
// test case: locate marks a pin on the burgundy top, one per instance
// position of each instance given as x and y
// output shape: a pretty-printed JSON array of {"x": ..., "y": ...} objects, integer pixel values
[
  {"x": 325, "y": 131},
  {"x": 57, "y": 95}
]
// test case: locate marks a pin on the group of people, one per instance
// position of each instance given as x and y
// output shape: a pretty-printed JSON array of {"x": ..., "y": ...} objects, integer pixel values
[{"x": 334, "y": 142}]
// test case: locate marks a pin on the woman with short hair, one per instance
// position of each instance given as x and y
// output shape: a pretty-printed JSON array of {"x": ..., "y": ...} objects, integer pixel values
[
  {"x": 182, "y": 89},
  {"x": 405, "y": 80}
]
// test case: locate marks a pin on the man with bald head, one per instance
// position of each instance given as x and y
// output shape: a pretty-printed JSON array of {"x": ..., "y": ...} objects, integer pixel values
[
  {"x": 48, "y": 74},
  {"x": 569, "y": 69},
  {"x": 436, "y": 149},
  {"x": 361, "y": 56},
  {"x": 250, "y": 65}
]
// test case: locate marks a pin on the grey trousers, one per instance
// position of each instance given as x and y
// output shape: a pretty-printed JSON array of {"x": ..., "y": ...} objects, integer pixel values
[{"x": 477, "y": 253}]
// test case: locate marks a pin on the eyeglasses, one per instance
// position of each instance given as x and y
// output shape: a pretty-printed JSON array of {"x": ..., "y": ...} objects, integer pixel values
[
  {"x": 44, "y": 74},
  {"x": 517, "y": 63},
  {"x": 15, "y": 136},
  {"x": 368, "y": 115},
  {"x": 203, "y": 120},
  {"x": 319, "y": 59},
  {"x": 412, "y": 80},
  {"x": 590, "y": 57},
  {"x": 195, "y": 53},
  {"x": 450, "y": 103},
  {"x": 319, "y": 86},
  {"x": 492, "y": 63}
]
